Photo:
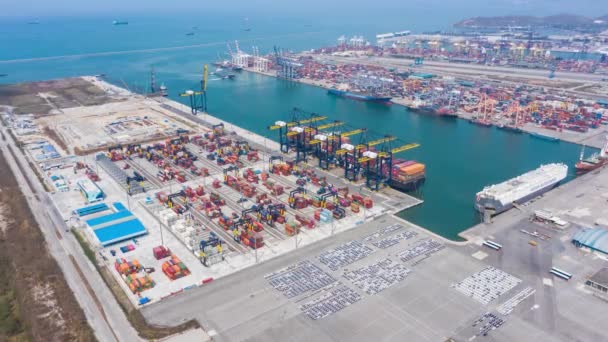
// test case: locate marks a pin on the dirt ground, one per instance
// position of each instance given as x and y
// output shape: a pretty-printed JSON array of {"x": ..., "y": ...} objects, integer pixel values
[
  {"x": 41, "y": 98},
  {"x": 35, "y": 301}
]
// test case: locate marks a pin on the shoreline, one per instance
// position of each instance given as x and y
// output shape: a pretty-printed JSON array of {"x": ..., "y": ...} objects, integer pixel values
[{"x": 593, "y": 138}]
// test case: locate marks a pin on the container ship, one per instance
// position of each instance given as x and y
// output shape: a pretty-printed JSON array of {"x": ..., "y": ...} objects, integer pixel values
[
  {"x": 480, "y": 122},
  {"x": 407, "y": 175},
  {"x": 447, "y": 112},
  {"x": 423, "y": 108},
  {"x": 543, "y": 137},
  {"x": 360, "y": 96},
  {"x": 510, "y": 128},
  {"x": 500, "y": 197},
  {"x": 595, "y": 161}
]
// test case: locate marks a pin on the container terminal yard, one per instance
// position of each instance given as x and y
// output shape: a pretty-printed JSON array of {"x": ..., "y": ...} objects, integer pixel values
[{"x": 257, "y": 239}]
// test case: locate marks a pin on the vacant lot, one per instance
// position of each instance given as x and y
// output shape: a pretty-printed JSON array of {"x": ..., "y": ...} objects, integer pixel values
[
  {"x": 35, "y": 301},
  {"x": 42, "y": 97}
]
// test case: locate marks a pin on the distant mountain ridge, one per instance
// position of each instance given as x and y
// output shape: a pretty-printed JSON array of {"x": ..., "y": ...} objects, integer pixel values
[{"x": 559, "y": 20}]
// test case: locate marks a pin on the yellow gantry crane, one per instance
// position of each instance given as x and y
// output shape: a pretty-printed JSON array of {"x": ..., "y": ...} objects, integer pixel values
[
  {"x": 392, "y": 151},
  {"x": 296, "y": 123},
  {"x": 347, "y": 134},
  {"x": 376, "y": 142},
  {"x": 322, "y": 127},
  {"x": 283, "y": 141},
  {"x": 198, "y": 99}
]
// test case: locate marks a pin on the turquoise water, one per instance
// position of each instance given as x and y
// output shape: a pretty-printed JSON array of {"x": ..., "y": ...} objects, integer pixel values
[{"x": 461, "y": 158}]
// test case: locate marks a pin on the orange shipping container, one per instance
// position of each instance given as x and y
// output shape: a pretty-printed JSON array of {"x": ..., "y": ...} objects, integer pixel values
[{"x": 413, "y": 169}]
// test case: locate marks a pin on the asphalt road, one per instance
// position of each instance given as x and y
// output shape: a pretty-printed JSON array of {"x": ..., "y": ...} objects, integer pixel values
[{"x": 108, "y": 321}]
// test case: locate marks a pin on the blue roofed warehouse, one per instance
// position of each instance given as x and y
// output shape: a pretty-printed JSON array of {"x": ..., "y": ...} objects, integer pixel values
[
  {"x": 116, "y": 227},
  {"x": 595, "y": 239}
]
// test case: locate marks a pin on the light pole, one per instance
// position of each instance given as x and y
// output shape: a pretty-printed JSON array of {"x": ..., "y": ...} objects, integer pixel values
[
  {"x": 296, "y": 236},
  {"x": 128, "y": 191},
  {"x": 160, "y": 228},
  {"x": 255, "y": 245}
]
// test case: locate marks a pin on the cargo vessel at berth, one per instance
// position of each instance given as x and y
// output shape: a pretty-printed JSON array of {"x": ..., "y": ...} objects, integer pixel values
[
  {"x": 543, "y": 137},
  {"x": 500, "y": 197},
  {"x": 407, "y": 175},
  {"x": 423, "y": 108},
  {"x": 480, "y": 122},
  {"x": 510, "y": 128},
  {"x": 595, "y": 161},
  {"x": 360, "y": 96}
]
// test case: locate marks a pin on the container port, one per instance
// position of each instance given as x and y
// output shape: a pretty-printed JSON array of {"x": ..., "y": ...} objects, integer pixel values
[
  {"x": 181, "y": 202},
  {"x": 132, "y": 213},
  {"x": 287, "y": 228},
  {"x": 511, "y": 96}
]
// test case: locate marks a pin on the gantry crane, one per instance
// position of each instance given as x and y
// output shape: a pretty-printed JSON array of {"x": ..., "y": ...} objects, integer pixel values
[
  {"x": 198, "y": 99},
  {"x": 383, "y": 161},
  {"x": 285, "y": 134},
  {"x": 352, "y": 163},
  {"x": 333, "y": 143}
]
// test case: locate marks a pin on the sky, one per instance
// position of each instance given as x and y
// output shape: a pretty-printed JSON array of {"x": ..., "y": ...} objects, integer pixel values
[{"x": 42, "y": 8}]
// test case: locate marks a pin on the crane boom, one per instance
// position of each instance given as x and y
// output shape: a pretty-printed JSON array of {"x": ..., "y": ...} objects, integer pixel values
[
  {"x": 399, "y": 149},
  {"x": 346, "y": 134},
  {"x": 376, "y": 142},
  {"x": 331, "y": 125},
  {"x": 301, "y": 122},
  {"x": 341, "y": 152}
]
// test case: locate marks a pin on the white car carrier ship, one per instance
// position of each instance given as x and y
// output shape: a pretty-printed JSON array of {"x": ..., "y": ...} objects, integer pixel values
[{"x": 500, "y": 197}]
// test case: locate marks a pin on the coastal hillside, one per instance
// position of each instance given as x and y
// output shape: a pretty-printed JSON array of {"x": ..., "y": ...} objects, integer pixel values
[{"x": 559, "y": 20}]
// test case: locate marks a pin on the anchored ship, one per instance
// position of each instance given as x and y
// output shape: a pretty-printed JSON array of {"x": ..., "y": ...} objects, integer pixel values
[
  {"x": 120, "y": 22},
  {"x": 360, "y": 96},
  {"x": 500, "y": 197},
  {"x": 595, "y": 161}
]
